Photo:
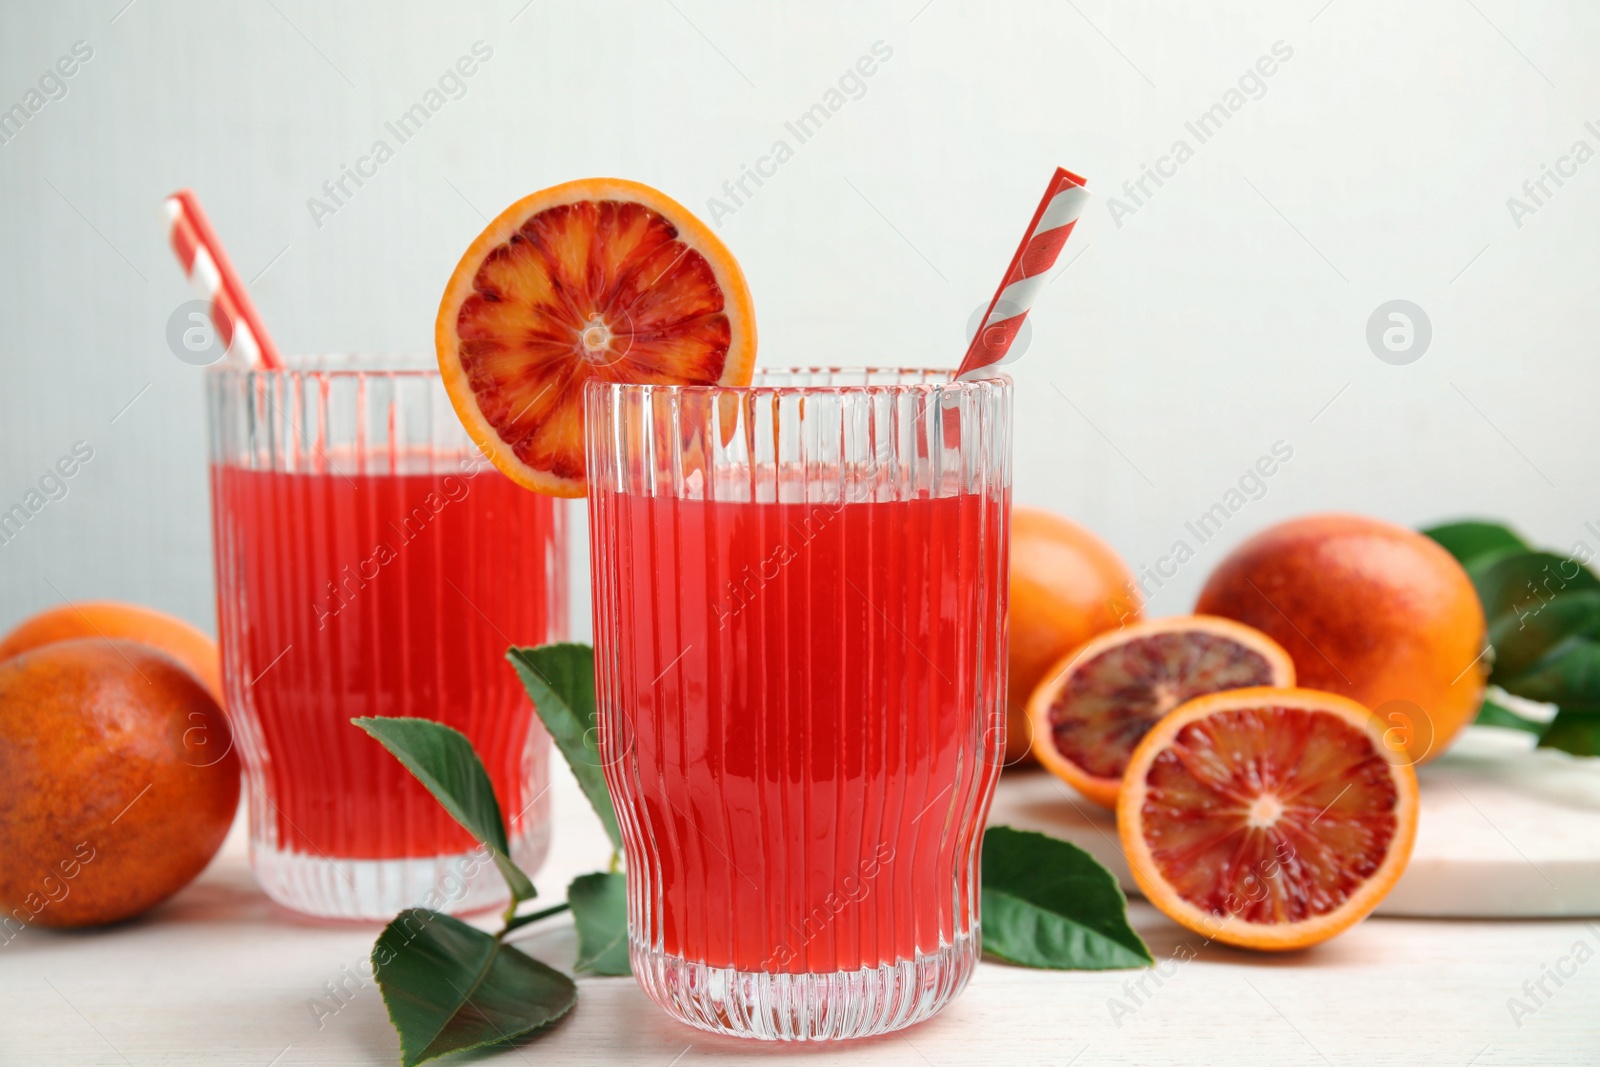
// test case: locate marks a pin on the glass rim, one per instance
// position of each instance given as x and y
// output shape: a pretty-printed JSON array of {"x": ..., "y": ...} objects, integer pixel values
[
  {"x": 352, "y": 365},
  {"x": 340, "y": 365},
  {"x": 910, "y": 379}
]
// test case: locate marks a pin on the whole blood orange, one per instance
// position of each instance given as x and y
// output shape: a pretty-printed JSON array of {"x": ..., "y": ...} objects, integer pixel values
[
  {"x": 598, "y": 278},
  {"x": 114, "y": 619},
  {"x": 1369, "y": 610},
  {"x": 120, "y": 781},
  {"x": 1096, "y": 704},
  {"x": 1067, "y": 585},
  {"x": 1267, "y": 818}
]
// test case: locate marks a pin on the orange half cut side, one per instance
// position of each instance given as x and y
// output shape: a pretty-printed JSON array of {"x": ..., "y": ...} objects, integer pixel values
[
  {"x": 1267, "y": 818},
  {"x": 594, "y": 279},
  {"x": 1094, "y": 706}
]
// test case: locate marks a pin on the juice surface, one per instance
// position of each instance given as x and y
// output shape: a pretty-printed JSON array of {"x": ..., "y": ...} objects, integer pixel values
[
  {"x": 342, "y": 595},
  {"x": 800, "y": 711}
]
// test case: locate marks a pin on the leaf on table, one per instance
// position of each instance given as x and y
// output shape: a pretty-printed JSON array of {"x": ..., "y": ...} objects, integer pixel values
[
  {"x": 449, "y": 986},
  {"x": 443, "y": 760},
  {"x": 1568, "y": 675},
  {"x": 1493, "y": 713},
  {"x": 559, "y": 679},
  {"x": 1520, "y": 638},
  {"x": 600, "y": 911},
  {"x": 1577, "y": 732},
  {"x": 1523, "y": 583},
  {"x": 1048, "y": 903},
  {"x": 1469, "y": 541}
]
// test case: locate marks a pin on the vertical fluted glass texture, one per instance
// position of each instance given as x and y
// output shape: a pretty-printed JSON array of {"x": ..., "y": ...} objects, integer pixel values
[
  {"x": 800, "y": 639},
  {"x": 370, "y": 562}
]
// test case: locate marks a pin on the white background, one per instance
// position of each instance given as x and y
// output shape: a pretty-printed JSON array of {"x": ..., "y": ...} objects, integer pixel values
[{"x": 1228, "y": 312}]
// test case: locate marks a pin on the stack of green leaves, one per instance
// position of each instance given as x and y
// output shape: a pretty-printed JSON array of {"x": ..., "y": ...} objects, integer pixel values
[
  {"x": 1544, "y": 631},
  {"x": 450, "y": 986}
]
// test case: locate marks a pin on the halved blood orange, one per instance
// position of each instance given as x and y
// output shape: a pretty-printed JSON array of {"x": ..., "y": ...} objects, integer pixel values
[
  {"x": 1096, "y": 703},
  {"x": 598, "y": 278},
  {"x": 1267, "y": 818}
]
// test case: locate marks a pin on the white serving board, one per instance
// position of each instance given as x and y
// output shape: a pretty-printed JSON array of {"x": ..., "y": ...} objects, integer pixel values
[{"x": 1506, "y": 830}]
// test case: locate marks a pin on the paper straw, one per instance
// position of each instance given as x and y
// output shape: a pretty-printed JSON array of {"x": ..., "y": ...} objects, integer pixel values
[
  {"x": 1051, "y": 226},
  {"x": 211, "y": 273}
]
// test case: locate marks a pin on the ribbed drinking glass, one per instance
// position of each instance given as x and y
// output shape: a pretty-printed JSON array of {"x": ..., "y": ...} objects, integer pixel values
[
  {"x": 800, "y": 638},
  {"x": 370, "y": 562}
]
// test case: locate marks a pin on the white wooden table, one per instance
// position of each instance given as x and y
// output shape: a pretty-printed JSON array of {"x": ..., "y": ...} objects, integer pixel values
[{"x": 221, "y": 976}]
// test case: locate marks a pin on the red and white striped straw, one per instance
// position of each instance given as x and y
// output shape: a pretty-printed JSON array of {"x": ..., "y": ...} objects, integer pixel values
[
  {"x": 213, "y": 277},
  {"x": 1051, "y": 226}
]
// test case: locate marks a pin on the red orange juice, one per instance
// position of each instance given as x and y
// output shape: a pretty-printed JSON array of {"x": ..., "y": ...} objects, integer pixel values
[
  {"x": 379, "y": 594},
  {"x": 798, "y": 762}
]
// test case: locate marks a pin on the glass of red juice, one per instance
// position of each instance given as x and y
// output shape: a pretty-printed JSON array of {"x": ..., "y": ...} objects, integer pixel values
[
  {"x": 800, "y": 641},
  {"x": 369, "y": 561}
]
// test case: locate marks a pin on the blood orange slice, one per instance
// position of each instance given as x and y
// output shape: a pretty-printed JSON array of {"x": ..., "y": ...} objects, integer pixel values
[
  {"x": 1094, "y": 706},
  {"x": 1267, "y": 818},
  {"x": 599, "y": 278}
]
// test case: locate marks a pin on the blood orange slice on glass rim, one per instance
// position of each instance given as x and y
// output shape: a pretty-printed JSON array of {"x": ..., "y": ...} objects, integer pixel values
[
  {"x": 1096, "y": 704},
  {"x": 597, "y": 278},
  {"x": 1267, "y": 818}
]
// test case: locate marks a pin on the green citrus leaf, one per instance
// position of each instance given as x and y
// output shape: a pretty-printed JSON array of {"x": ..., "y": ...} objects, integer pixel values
[
  {"x": 559, "y": 679},
  {"x": 1048, "y": 903},
  {"x": 1491, "y": 713},
  {"x": 443, "y": 760},
  {"x": 1577, "y": 732},
  {"x": 1467, "y": 541},
  {"x": 1569, "y": 675},
  {"x": 449, "y": 986},
  {"x": 1520, "y": 639},
  {"x": 1522, "y": 584},
  {"x": 600, "y": 911}
]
